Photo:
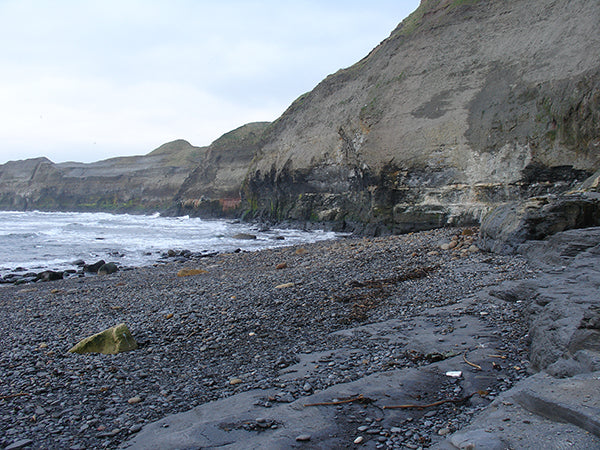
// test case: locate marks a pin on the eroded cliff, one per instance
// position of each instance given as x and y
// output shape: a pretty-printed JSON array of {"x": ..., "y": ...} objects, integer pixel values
[
  {"x": 467, "y": 104},
  {"x": 128, "y": 184}
]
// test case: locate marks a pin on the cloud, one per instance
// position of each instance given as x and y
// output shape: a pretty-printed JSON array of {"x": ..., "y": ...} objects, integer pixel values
[{"x": 94, "y": 79}]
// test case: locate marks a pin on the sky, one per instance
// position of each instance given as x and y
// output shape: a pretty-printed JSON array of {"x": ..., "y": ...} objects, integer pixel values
[{"x": 85, "y": 80}]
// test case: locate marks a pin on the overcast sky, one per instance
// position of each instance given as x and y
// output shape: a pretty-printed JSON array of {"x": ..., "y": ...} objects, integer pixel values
[{"x": 85, "y": 80}]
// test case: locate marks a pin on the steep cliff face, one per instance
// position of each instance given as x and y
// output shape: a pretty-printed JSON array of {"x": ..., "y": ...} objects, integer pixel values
[
  {"x": 132, "y": 184},
  {"x": 467, "y": 103},
  {"x": 213, "y": 188}
]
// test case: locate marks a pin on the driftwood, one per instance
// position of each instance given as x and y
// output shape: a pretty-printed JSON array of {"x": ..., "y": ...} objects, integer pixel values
[
  {"x": 361, "y": 398},
  {"x": 457, "y": 401},
  {"x": 478, "y": 367},
  {"x": 20, "y": 394}
]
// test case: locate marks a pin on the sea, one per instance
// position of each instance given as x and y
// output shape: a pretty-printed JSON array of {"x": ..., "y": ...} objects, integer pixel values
[{"x": 38, "y": 241}]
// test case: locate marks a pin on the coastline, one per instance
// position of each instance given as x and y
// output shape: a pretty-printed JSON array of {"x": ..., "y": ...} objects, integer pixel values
[{"x": 243, "y": 319}]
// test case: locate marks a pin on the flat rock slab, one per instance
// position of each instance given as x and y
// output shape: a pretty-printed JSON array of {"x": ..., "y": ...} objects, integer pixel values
[
  {"x": 221, "y": 423},
  {"x": 539, "y": 412},
  {"x": 446, "y": 332}
]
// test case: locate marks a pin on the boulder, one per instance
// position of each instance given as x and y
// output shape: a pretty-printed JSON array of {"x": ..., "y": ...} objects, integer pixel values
[
  {"x": 50, "y": 275},
  {"x": 93, "y": 268},
  {"x": 244, "y": 236},
  {"x": 190, "y": 272},
  {"x": 108, "y": 268},
  {"x": 111, "y": 341}
]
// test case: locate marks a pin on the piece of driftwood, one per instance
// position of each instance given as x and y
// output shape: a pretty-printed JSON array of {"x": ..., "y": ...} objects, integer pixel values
[
  {"x": 478, "y": 367},
  {"x": 360, "y": 398}
]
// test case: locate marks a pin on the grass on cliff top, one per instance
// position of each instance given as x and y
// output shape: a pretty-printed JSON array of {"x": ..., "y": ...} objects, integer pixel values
[
  {"x": 248, "y": 134},
  {"x": 414, "y": 21}
]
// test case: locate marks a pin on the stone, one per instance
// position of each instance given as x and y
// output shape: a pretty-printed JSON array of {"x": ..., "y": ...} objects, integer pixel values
[
  {"x": 111, "y": 341},
  {"x": 244, "y": 236},
  {"x": 50, "y": 275},
  {"x": 190, "y": 272},
  {"x": 303, "y": 438},
  {"x": 93, "y": 268},
  {"x": 108, "y": 268},
  {"x": 134, "y": 400},
  {"x": 281, "y": 266},
  {"x": 235, "y": 381},
  {"x": 135, "y": 428},
  {"x": 19, "y": 444},
  {"x": 359, "y": 440},
  {"x": 284, "y": 286}
]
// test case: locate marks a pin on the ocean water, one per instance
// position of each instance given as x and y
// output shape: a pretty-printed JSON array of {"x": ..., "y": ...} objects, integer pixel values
[{"x": 39, "y": 241}]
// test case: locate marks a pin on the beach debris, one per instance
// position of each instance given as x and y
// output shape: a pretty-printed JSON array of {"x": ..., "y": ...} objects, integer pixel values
[
  {"x": 454, "y": 373},
  {"x": 476, "y": 366},
  {"x": 438, "y": 403},
  {"x": 360, "y": 398},
  {"x": 190, "y": 272},
  {"x": 19, "y": 394},
  {"x": 111, "y": 341},
  {"x": 284, "y": 285}
]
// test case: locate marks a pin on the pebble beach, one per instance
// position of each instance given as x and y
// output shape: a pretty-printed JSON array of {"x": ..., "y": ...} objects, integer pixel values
[{"x": 237, "y": 323}]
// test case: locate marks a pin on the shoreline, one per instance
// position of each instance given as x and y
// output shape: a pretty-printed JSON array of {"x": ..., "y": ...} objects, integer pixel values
[
  {"x": 243, "y": 319},
  {"x": 63, "y": 259}
]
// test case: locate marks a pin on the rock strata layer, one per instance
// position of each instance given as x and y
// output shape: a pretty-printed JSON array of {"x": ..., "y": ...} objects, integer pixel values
[{"x": 467, "y": 105}]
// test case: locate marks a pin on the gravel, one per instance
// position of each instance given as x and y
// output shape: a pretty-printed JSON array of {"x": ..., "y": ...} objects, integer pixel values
[{"x": 235, "y": 328}]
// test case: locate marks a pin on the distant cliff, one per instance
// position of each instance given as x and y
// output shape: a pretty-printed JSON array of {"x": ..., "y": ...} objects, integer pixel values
[
  {"x": 468, "y": 104},
  {"x": 129, "y": 184},
  {"x": 176, "y": 178}
]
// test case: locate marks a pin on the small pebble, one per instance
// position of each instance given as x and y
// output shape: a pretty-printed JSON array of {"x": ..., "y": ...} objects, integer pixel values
[
  {"x": 303, "y": 438},
  {"x": 134, "y": 400}
]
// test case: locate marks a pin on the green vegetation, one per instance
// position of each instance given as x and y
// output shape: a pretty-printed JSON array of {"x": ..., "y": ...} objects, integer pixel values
[
  {"x": 415, "y": 20},
  {"x": 463, "y": 2}
]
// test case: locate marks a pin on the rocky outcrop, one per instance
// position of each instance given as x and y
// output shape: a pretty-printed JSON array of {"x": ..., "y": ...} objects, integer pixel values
[
  {"x": 466, "y": 105},
  {"x": 507, "y": 227}
]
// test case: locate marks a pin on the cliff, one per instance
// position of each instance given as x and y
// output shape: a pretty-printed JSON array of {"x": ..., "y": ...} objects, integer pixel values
[
  {"x": 127, "y": 184},
  {"x": 466, "y": 105},
  {"x": 176, "y": 177}
]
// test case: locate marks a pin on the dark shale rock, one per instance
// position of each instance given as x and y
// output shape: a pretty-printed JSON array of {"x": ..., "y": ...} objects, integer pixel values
[
  {"x": 50, "y": 275},
  {"x": 508, "y": 226},
  {"x": 108, "y": 268},
  {"x": 93, "y": 268}
]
